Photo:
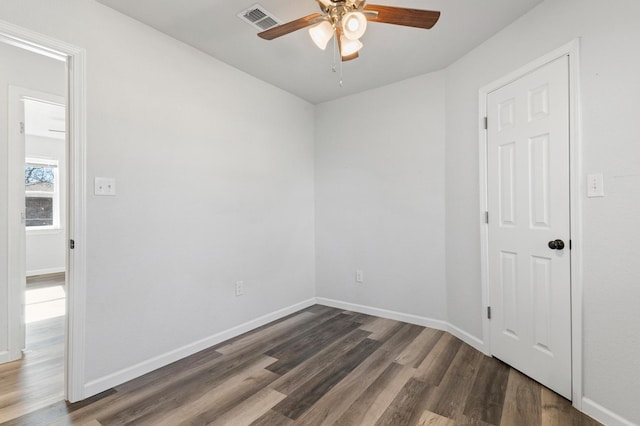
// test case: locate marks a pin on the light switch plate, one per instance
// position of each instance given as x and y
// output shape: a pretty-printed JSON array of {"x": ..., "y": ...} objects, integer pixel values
[
  {"x": 104, "y": 186},
  {"x": 595, "y": 185}
]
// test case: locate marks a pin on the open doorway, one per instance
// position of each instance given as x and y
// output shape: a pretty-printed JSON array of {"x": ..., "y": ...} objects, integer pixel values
[
  {"x": 45, "y": 180},
  {"x": 37, "y": 171},
  {"x": 16, "y": 44}
]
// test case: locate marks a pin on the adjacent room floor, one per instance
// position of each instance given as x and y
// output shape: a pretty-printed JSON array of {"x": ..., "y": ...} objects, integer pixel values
[
  {"x": 326, "y": 366},
  {"x": 37, "y": 380}
]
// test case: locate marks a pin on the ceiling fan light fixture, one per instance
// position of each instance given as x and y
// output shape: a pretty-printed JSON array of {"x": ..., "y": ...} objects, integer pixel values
[
  {"x": 349, "y": 47},
  {"x": 321, "y": 34},
  {"x": 354, "y": 24}
]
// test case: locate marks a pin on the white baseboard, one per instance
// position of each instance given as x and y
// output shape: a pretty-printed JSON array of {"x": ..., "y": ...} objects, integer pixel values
[
  {"x": 10, "y": 356},
  {"x": 384, "y": 313},
  {"x": 602, "y": 414},
  {"x": 469, "y": 339},
  {"x": 409, "y": 318},
  {"x": 107, "y": 382},
  {"x": 45, "y": 271}
]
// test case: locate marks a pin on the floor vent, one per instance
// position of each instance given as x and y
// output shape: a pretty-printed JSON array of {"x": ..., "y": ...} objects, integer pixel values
[{"x": 257, "y": 16}]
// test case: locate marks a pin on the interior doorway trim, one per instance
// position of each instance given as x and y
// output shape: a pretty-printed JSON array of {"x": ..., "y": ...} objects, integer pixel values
[
  {"x": 75, "y": 58},
  {"x": 571, "y": 50}
]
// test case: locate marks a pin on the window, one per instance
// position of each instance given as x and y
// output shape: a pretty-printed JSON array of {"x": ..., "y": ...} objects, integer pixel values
[{"x": 41, "y": 194}]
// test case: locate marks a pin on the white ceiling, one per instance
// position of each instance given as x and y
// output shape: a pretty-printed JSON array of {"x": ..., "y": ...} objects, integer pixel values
[
  {"x": 44, "y": 119},
  {"x": 292, "y": 62}
]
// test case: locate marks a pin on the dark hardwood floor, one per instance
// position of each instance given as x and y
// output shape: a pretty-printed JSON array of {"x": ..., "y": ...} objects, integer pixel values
[{"x": 324, "y": 366}]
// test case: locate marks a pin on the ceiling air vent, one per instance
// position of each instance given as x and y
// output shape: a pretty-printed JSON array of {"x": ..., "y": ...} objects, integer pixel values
[{"x": 258, "y": 17}]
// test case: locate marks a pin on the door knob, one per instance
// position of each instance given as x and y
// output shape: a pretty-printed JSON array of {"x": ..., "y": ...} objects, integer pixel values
[{"x": 556, "y": 245}]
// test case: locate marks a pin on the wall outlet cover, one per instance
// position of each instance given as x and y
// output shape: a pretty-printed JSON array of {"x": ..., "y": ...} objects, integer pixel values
[
  {"x": 239, "y": 288},
  {"x": 595, "y": 185}
]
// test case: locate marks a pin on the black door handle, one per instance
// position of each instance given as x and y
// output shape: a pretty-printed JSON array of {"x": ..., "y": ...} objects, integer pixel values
[{"x": 556, "y": 245}]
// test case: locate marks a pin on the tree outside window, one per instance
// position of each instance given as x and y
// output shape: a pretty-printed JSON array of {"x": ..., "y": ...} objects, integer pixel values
[{"x": 41, "y": 194}]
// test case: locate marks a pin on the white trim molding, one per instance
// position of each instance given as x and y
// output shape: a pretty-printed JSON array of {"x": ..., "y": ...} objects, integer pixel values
[
  {"x": 47, "y": 271},
  {"x": 603, "y": 415},
  {"x": 408, "y": 318},
  {"x": 571, "y": 50},
  {"x": 76, "y": 223},
  {"x": 75, "y": 58},
  {"x": 468, "y": 338},
  {"x": 107, "y": 382}
]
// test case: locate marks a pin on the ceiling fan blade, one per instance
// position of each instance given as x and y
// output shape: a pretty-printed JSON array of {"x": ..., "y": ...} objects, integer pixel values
[
  {"x": 402, "y": 16},
  {"x": 290, "y": 27}
]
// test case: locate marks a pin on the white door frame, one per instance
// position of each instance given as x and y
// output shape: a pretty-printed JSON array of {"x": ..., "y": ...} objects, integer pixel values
[
  {"x": 75, "y": 59},
  {"x": 572, "y": 51}
]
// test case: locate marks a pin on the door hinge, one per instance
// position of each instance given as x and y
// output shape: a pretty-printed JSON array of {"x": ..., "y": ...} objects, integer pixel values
[
  {"x": 486, "y": 217},
  {"x": 489, "y": 312},
  {"x": 72, "y": 244},
  {"x": 22, "y": 127},
  {"x": 486, "y": 123}
]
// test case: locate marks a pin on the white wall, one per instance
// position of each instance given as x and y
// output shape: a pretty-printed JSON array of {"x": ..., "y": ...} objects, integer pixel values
[
  {"x": 35, "y": 72},
  {"x": 610, "y": 88},
  {"x": 46, "y": 248},
  {"x": 380, "y": 197},
  {"x": 214, "y": 173}
]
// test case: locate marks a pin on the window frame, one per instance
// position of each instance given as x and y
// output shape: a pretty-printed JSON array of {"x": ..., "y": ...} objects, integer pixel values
[{"x": 54, "y": 195}]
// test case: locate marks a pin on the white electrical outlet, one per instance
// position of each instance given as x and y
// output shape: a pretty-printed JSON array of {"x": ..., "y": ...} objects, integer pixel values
[
  {"x": 359, "y": 276},
  {"x": 239, "y": 288}
]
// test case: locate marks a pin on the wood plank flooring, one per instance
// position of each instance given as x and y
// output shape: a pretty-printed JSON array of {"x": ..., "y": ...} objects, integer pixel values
[
  {"x": 37, "y": 380},
  {"x": 324, "y": 366},
  {"x": 48, "y": 280}
]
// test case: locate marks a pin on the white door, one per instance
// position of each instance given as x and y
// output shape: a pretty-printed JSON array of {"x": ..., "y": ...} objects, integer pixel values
[{"x": 529, "y": 225}]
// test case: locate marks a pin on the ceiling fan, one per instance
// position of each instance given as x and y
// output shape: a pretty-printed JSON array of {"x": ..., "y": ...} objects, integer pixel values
[{"x": 347, "y": 20}]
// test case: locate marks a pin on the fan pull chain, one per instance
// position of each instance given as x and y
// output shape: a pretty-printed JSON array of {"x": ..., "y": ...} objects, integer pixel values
[
  {"x": 335, "y": 50},
  {"x": 336, "y": 54}
]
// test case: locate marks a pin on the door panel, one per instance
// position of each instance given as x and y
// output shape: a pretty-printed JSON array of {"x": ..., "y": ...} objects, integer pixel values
[{"x": 528, "y": 195}]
